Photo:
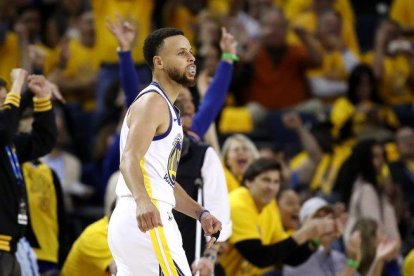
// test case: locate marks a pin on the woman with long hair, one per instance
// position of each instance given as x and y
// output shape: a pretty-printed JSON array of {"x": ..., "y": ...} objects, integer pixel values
[{"x": 362, "y": 187}]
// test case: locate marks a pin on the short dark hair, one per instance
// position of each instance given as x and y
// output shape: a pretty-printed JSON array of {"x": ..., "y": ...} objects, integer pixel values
[
  {"x": 155, "y": 41},
  {"x": 259, "y": 166}
]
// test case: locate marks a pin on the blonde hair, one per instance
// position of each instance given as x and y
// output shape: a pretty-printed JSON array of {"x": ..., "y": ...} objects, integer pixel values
[{"x": 242, "y": 139}]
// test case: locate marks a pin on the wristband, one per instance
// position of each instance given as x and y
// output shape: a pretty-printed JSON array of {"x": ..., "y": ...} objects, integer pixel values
[
  {"x": 201, "y": 214},
  {"x": 352, "y": 263},
  {"x": 231, "y": 56},
  {"x": 315, "y": 244}
]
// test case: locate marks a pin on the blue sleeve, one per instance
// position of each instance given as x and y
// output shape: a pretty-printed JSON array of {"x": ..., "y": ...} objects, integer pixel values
[
  {"x": 129, "y": 77},
  {"x": 214, "y": 99},
  {"x": 130, "y": 84},
  {"x": 110, "y": 163}
]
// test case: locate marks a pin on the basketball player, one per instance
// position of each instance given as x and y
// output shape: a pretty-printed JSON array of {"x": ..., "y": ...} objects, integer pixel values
[{"x": 143, "y": 236}]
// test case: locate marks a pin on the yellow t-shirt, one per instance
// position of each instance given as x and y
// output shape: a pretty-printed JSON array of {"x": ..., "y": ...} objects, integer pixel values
[
  {"x": 297, "y": 160},
  {"x": 328, "y": 168},
  {"x": 138, "y": 12},
  {"x": 83, "y": 61},
  {"x": 408, "y": 268},
  {"x": 90, "y": 254},
  {"x": 343, "y": 110},
  {"x": 232, "y": 182},
  {"x": 333, "y": 67},
  {"x": 219, "y": 7},
  {"x": 309, "y": 21},
  {"x": 293, "y": 8},
  {"x": 236, "y": 120},
  {"x": 402, "y": 11},
  {"x": 82, "y": 65},
  {"x": 10, "y": 56},
  {"x": 43, "y": 207},
  {"x": 248, "y": 224},
  {"x": 393, "y": 86}
]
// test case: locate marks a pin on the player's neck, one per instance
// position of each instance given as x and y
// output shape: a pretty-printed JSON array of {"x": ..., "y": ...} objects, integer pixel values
[{"x": 170, "y": 87}]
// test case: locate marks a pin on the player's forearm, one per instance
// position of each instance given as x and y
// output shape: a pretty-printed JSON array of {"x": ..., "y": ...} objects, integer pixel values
[
  {"x": 131, "y": 171},
  {"x": 185, "y": 204}
]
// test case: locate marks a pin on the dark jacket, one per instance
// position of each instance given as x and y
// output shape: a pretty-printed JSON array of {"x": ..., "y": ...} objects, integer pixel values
[{"x": 28, "y": 146}]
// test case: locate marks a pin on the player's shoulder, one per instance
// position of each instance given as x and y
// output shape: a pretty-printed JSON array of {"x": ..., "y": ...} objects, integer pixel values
[{"x": 150, "y": 101}]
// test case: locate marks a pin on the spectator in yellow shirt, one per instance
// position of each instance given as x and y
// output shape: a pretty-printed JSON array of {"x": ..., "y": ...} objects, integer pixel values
[
  {"x": 393, "y": 64},
  {"x": 361, "y": 113},
  {"x": 294, "y": 8},
  {"x": 9, "y": 52},
  {"x": 77, "y": 68},
  {"x": 36, "y": 54},
  {"x": 238, "y": 153},
  {"x": 329, "y": 80},
  {"x": 309, "y": 21},
  {"x": 90, "y": 254},
  {"x": 138, "y": 14},
  {"x": 258, "y": 240},
  {"x": 408, "y": 268},
  {"x": 402, "y": 11}
]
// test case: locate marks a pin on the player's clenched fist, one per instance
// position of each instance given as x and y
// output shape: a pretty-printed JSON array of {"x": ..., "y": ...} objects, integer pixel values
[{"x": 148, "y": 216}]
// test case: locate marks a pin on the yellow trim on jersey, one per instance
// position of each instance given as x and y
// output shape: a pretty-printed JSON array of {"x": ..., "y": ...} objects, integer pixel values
[
  {"x": 159, "y": 242},
  {"x": 4, "y": 246},
  {"x": 12, "y": 98},
  {"x": 5, "y": 242},
  {"x": 5, "y": 238},
  {"x": 42, "y": 104}
]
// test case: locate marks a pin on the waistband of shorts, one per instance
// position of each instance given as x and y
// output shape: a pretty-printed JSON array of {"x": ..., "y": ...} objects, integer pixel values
[{"x": 162, "y": 205}]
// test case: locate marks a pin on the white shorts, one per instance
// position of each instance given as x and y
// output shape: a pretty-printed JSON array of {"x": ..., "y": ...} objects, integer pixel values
[{"x": 156, "y": 252}]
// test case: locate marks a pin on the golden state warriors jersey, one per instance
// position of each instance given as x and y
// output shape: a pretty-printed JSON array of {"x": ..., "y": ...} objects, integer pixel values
[{"x": 159, "y": 165}]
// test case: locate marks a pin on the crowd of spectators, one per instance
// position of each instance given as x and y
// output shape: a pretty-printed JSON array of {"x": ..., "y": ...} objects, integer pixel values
[{"x": 314, "y": 126}]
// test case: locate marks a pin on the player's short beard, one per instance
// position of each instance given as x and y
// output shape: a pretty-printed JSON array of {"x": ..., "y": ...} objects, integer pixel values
[{"x": 182, "y": 79}]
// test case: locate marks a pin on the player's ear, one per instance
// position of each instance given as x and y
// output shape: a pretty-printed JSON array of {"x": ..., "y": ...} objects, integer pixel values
[{"x": 157, "y": 61}]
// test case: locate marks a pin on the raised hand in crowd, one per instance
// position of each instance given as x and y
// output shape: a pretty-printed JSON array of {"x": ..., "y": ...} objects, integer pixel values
[
  {"x": 314, "y": 229},
  {"x": 123, "y": 31},
  {"x": 387, "y": 249},
  {"x": 353, "y": 247},
  {"x": 18, "y": 77},
  {"x": 228, "y": 44},
  {"x": 55, "y": 91},
  {"x": 292, "y": 120},
  {"x": 39, "y": 86}
]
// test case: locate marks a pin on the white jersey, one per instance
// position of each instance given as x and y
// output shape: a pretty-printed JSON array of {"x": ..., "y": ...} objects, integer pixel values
[{"x": 160, "y": 163}]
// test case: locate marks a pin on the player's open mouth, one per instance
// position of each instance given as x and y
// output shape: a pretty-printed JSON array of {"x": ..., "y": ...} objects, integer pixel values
[{"x": 192, "y": 70}]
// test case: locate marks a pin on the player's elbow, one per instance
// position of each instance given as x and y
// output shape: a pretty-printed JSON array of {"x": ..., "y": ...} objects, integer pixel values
[{"x": 129, "y": 161}]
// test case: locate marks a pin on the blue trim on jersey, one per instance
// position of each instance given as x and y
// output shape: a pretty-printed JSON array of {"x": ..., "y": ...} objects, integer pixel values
[
  {"x": 165, "y": 134},
  {"x": 177, "y": 111},
  {"x": 180, "y": 273}
]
